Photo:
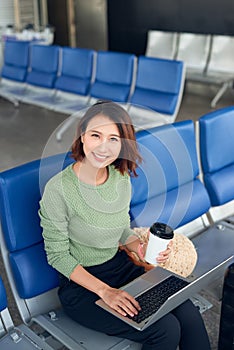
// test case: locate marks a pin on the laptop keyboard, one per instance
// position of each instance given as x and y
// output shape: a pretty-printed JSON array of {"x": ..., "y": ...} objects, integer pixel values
[{"x": 151, "y": 300}]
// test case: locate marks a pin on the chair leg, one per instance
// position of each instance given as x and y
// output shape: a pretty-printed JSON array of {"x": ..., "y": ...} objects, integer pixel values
[
  {"x": 11, "y": 99},
  {"x": 219, "y": 94}
]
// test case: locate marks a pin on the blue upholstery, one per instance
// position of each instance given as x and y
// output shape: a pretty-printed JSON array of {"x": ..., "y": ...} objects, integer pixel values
[
  {"x": 167, "y": 188},
  {"x": 16, "y": 58},
  {"x": 114, "y": 75},
  {"x": 158, "y": 84},
  {"x": 20, "y": 192},
  {"x": 76, "y": 73},
  {"x": 44, "y": 66},
  {"x": 3, "y": 297},
  {"x": 217, "y": 154}
]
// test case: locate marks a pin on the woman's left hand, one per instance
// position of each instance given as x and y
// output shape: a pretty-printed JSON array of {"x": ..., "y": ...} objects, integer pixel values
[{"x": 164, "y": 255}]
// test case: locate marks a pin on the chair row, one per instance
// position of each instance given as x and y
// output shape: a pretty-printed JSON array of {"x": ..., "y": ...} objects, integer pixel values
[
  {"x": 208, "y": 58},
  {"x": 70, "y": 79},
  {"x": 167, "y": 189}
]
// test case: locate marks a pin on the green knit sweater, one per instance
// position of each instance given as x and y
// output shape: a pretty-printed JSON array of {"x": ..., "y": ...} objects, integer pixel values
[{"x": 83, "y": 224}]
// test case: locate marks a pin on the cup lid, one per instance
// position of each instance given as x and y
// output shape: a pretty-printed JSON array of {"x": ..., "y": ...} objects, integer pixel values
[{"x": 162, "y": 230}]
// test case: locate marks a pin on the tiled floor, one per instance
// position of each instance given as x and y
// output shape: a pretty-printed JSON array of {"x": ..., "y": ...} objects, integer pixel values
[{"x": 28, "y": 132}]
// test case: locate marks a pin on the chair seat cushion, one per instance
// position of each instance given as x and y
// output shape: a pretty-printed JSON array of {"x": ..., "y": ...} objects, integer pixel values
[
  {"x": 155, "y": 100},
  {"x": 41, "y": 79},
  {"x": 14, "y": 73},
  {"x": 30, "y": 265},
  {"x": 73, "y": 85},
  {"x": 114, "y": 92}
]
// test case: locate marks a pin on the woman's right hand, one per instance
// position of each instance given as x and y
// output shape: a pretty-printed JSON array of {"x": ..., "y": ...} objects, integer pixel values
[{"x": 120, "y": 301}]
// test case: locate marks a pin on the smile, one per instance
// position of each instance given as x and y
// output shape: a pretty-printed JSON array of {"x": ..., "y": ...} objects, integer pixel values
[{"x": 100, "y": 156}]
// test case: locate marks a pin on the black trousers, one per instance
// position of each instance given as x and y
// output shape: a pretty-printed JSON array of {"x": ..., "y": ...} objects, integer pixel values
[{"x": 183, "y": 326}]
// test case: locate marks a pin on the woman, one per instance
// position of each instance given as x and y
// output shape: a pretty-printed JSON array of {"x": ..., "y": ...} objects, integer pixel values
[{"x": 85, "y": 216}]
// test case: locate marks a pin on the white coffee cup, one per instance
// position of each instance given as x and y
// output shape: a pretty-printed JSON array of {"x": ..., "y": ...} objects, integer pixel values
[{"x": 159, "y": 236}]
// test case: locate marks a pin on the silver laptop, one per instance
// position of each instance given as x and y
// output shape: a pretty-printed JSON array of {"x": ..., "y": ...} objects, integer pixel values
[{"x": 157, "y": 278}]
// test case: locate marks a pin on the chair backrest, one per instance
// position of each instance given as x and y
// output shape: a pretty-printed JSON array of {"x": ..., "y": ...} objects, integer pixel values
[
  {"x": 221, "y": 56},
  {"x": 194, "y": 50},
  {"x": 161, "y": 44},
  {"x": 76, "y": 71},
  {"x": 217, "y": 154},
  {"x": 114, "y": 76},
  {"x": 21, "y": 241},
  {"x": 167, "y": 188},
  {"x": 44, "y": 63},
  {"x": 159, "y": 85},
  {"x": 16, "y": 60}
]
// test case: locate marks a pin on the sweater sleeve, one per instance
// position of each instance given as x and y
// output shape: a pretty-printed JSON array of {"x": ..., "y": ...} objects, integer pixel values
[{"x": 54, "y": 221}]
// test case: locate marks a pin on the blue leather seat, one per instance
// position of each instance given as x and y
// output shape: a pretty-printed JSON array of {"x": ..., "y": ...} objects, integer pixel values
[
  {"x": 217, "y": 155},
  {"x": 74, "y": 81},
  {"x": 43, "y": 70},
  {"x": 16, "y": 57},
  {"x": 159, "y": 86},
  {"x": 114, "y": 76},
  {"x": 14, "y": 70},
  {"x": 44, "y": 66},
  {"x": 167, "y": 188},
  {"x": 76, "y": 72}
]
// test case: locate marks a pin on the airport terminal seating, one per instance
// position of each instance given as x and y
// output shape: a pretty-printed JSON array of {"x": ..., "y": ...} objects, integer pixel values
[
  {"x": 20, "y": 337},
  {"x": 216, "y": 130},
  {"x": 40, "y": 80},
  {"x": 14, "y": 70},
  {"x": 193, "y": 50},
  {"x": 69, "y": 80},
  {"x": 158, "y": 90},
  {"x": 167, "y": 189},
  {"x": 208, "y": 58},
  {"x": 170, "y": 191},
  {"x": 220, "y": 67}
]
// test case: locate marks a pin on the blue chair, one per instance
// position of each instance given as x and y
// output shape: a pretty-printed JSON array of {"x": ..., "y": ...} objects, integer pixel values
[
  {"x": 20, "y": 337},
  {"x": 114, "y": 76},
  {"x": 113, "y": 80},
  {"x": 216, "y": 131},
  {"x": 44, "y": 64},
  {"x": 14, "y": 70},
  {"x": 72, "y": 84},
  {"x": 168, "y": 190},
  {"x": 33, "y": 282},
  {"x": 158, "y": 90}
]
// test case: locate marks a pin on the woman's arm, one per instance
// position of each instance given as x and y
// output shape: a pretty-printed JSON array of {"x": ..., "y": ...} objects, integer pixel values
[
  {"x": 117, "y": 299},
  {"x": 134, "y": 244}
]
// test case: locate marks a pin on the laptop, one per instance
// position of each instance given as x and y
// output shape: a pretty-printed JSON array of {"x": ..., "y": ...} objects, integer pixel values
[{"x": 157, "y": 279}]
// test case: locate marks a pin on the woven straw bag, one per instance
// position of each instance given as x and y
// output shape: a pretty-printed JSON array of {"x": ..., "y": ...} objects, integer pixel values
[{"x": 182, "y": 259}]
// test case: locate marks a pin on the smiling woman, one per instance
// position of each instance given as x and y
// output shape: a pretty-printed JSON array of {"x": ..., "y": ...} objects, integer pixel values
[
  {"x": 101, "y": 146},
  {"x": 84, "y": 213}
]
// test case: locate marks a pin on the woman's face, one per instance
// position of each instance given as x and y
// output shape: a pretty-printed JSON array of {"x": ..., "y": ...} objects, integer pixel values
[{"x": 101, "y": 141}]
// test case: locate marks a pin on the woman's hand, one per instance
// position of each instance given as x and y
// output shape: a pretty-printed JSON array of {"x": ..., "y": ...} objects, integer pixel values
[
  {"x": 120, "y": 301},
  {"x": 164, "y": 255}
]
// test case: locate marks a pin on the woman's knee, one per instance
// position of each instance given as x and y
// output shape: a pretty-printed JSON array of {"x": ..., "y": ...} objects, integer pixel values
[{"x": 165, "y": 333}]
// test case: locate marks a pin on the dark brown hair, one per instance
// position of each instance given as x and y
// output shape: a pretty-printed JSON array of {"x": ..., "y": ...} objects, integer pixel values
[{"x": 129, "y": 155}]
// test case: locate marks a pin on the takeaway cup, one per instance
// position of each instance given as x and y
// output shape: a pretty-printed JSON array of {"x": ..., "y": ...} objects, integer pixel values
[{"x": 160, "y": 235}]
